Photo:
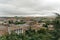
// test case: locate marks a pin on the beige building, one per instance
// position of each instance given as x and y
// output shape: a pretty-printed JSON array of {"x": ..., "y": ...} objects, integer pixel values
[
  {"x": 3, "y": 30},
  {"x": 50, "y": 27}
]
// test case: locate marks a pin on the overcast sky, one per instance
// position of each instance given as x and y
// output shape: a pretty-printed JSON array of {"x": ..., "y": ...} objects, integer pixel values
[{"x": 29, "y": 7}]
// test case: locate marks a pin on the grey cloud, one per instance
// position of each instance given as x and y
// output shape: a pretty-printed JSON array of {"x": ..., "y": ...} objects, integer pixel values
[{"x": 29, "y": 7}]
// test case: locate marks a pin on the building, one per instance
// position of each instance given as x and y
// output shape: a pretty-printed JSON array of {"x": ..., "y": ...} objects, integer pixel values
[
  {"x": 3, "y": 30},
  {"x": 51, "y": 27}
]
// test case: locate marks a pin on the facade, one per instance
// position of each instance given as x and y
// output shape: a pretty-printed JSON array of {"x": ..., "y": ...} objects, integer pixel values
[
  {"x": 3, "y": 30},
  {"x": 17, "y": 28},
  {"x": 50, "y": 27}
]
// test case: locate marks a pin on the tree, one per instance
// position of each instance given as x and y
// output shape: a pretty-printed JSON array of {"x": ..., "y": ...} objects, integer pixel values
[
  {"x": 57, "y": 26},
  {"x": 10, "y": 21}
]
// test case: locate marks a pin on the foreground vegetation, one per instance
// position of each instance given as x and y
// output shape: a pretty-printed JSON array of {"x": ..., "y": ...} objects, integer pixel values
[{"x": 42, "y": 34}]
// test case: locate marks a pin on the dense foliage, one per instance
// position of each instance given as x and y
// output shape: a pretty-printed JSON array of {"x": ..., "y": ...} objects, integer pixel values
[
  {"x": 29, "y": 35},
  {"x": 42, "y": 34}
]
